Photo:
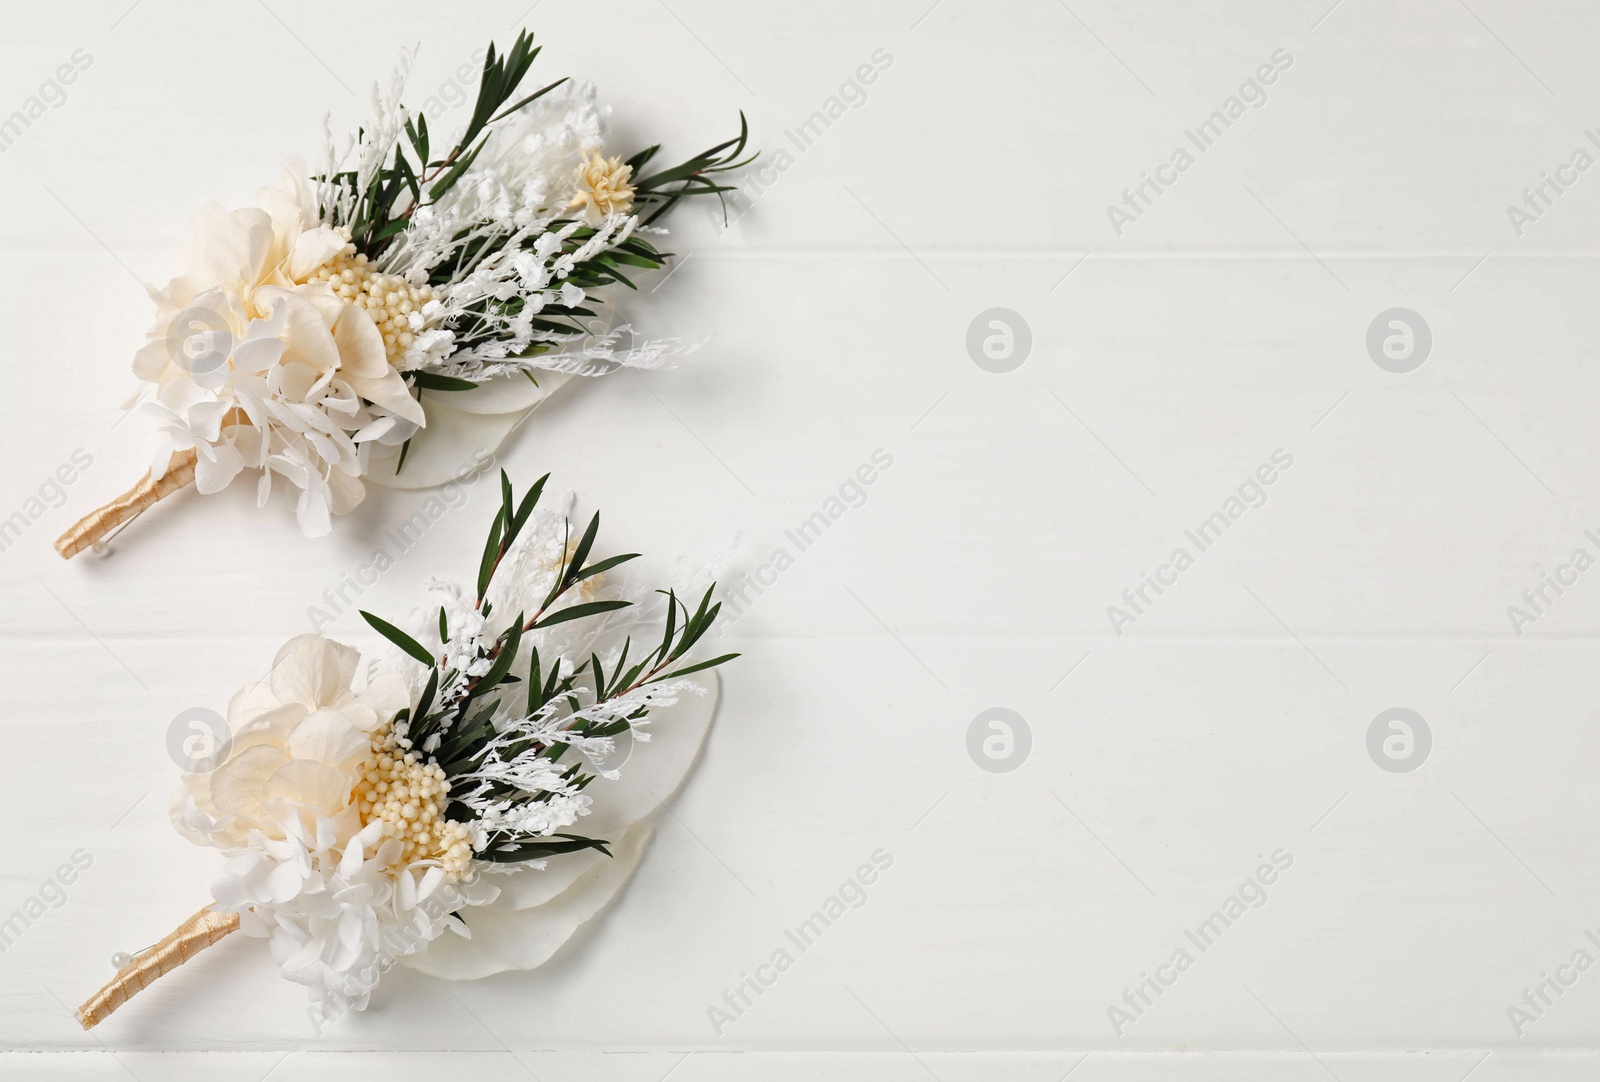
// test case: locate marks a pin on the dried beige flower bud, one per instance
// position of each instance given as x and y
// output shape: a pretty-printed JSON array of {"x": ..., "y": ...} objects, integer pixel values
[{"x": 603, "y": 187}]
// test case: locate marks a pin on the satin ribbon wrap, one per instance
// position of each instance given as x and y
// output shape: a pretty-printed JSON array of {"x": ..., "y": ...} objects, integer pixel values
[
  {"x": 177, "y": 947},
  {"x": 137, "y": 500},
  {"x": 464, "y": 429}
]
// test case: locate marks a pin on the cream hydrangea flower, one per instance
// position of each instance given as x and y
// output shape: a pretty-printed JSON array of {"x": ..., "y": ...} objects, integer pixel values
[
  {"x": 260, "y": 364},
  {"x": 361, "y": 817},
  {"x": 337, "y": 918},
  {"x": 300, "y": 740},
  {"x": 316, "y": 865}
]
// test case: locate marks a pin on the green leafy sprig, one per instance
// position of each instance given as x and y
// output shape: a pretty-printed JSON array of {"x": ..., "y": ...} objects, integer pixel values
[
  {"x": 455, "y": 717},
  {"x": 412, "y": 178}
]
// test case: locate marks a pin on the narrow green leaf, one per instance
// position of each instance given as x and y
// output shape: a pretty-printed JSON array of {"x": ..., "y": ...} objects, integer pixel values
[
  {"x": 491, "y": 554},
  {"x": 512, "y": 854},
  {"x": 672, "y": 624},
  {"x": 535, "y": 689},
  {"x": 503, "y": 660},
  {"x": 398, "y": 637},
  {"x": 456, "y": 172},
  {"x": 579, "y": 612},
  {"x": 535, "y": 96},
  {"x": 634, "y": 260},
  {"x": 695, "y": 668},
  {"x": 604, "y": 565},
  {"x": 561, "y": 581},
  {"x": 432, "y": 381},
  {"x": 428, "y": 692},
  {"x": 581, "y": 553},
  {"x": 530, "y": 500}
]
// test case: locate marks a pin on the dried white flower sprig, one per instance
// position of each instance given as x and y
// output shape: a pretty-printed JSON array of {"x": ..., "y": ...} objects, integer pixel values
[
  {"x": 299, "y": 336},
  {"x": 364, "y": 819}
]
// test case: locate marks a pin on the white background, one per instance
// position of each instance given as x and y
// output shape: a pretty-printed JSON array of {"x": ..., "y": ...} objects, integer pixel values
[{"x": 1228, "y": 721}]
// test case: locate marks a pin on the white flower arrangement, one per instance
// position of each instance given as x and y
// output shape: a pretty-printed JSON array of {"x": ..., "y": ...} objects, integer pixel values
[
  {"x": 364, "y": 819},
  {"x": 299, "y": 336}
]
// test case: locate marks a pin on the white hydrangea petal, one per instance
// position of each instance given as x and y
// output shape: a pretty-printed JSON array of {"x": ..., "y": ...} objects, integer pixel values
[
  {"x": 327, "y": 735},
  {"x": 364, "y": 364},
  {"x": 238, "y": 786},
  {"x": 257, "y": 354},
  {"x": 312, "y": 249},
  {"x": 284, "y": 883},
  {"x": 377, "y": 428},
  {"x": 251, "y": 702},
  {"x": 304, "y": 966},
  {"x": 308, "y": 342},
  {"x": 307, "y": 784},
  {"x": 453, "y": 442},
  {"x": 386, "y": 694},
  {"x": 313, "y": 670},
  {"x": 270, "y": 727},
  {"x": 215, "y": 469},
  {"x": 346, "y": 492},
  {"x": 313, "y": 512}
]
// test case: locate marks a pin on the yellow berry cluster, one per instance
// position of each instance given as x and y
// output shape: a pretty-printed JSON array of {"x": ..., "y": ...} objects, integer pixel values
[
  {"x": 409, "y": 796},
  {"x": 388, "y": 299}
]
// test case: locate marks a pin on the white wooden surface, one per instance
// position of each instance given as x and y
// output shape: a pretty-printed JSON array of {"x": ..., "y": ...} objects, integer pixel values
[{"x": 1227, "y": 723}]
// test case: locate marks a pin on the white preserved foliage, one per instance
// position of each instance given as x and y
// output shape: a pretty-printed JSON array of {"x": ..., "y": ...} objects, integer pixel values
[{"x": 501, "y": 234}]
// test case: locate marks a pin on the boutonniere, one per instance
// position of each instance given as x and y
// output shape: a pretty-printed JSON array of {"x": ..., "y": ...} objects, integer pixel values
[
  {"x": 468, "y": 801},
  {"x": 310, "y": 340}
]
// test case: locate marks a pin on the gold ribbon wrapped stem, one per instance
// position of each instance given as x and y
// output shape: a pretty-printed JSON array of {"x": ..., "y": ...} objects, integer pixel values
[
  {"x": 132, "y": 503},
  {"x": 183, "y": 943}
]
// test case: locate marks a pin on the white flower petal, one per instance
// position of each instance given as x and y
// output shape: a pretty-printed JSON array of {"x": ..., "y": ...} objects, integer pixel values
[
  {"x": 284, "y": 883},
  {"x": 216, "y": 469},
  {"x": 312, "y": 511},
  {"x": 313, "y": 670},
  {"x": 364, "y": 364},
  {"x": 328, "y": 736},
  {"x": 312, "y": 249},
  {"x": 374, "y": 430},
  {"x": 257, "y": 354}
]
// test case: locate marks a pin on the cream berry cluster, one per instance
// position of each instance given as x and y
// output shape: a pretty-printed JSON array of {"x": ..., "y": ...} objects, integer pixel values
[
  {"x": 409, "y": 796},
  {"x": 388, "y": 299}
]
